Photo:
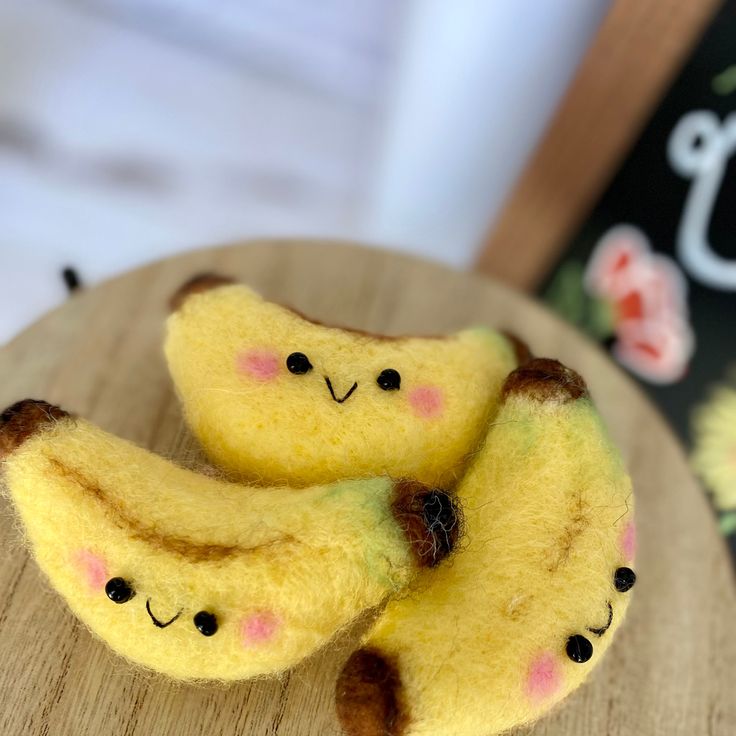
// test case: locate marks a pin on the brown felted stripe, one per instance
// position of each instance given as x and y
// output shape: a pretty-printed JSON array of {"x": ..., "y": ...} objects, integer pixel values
[
  {"x": 579, "y": 521},
  {"x": 138, "y": 529},
  {"x": 23, "y": 419},
  {"x": 196, "y": 285},
  {"x": 430, "y": 519},
  {"x": 544, "y": 379},
  {"x": 521, "y": 349},
  {"x": 206, "y": 281},
  {"x": 368, "y": 696},
  {"x": 357, "y": 330}
]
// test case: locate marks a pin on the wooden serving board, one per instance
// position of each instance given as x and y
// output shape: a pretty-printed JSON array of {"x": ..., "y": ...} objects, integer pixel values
[{"x": 671, "y": 671}]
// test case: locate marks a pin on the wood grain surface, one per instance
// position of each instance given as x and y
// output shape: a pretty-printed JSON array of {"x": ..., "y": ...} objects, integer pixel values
[{"x": 671, "y": 671}]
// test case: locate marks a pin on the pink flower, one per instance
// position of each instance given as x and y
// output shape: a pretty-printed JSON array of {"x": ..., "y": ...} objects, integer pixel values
[{"x": 648, "y": 296}]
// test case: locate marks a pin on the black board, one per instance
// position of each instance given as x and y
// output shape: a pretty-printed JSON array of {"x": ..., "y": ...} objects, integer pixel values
[{"x": 652, "y": 271}]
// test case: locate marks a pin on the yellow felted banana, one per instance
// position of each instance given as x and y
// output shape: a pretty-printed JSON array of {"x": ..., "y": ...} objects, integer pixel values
[
  {"x": 278, "y": 398},
  {"x": 198, "y": 578},
  {"x": 530, "y": 601}
]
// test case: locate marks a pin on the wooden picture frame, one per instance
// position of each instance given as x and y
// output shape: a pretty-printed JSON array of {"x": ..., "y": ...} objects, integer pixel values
[{"x": 632, "y": 60}]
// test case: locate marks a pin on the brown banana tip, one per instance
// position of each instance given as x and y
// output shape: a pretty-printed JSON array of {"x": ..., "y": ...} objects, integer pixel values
[
  {"x": 197, "y": 285},
  {"x": 23, "y": 419}
]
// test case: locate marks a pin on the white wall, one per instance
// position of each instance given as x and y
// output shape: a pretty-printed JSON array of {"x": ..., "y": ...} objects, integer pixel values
[
  {"x": 118, "y": 147},
  {"x": 133, "y": 130},
  {"x": 476, "y": 84}
]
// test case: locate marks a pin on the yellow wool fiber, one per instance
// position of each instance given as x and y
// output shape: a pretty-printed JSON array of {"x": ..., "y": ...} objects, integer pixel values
[
  {"x": 479, "y": 645},
  {"x": 280, "y": 572},
  {"x": 228, "y": 350}
]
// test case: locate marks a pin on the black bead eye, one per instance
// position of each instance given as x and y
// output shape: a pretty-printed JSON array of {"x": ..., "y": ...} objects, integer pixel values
[
  {"x": 389, "y": 380},
  {"x": 624, "y": 579},
  {"x": 206, "y": 623},
  {"x": 119, "y": 590},
  {"x": 298, "y": 363},
  {"x": 579, "y": 649}
]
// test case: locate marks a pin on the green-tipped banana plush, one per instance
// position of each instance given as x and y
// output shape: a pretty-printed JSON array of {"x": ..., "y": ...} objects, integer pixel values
[
  {"x": 198, "y": 578},
  {"x": 533, "y": 596},
  {"x": 278, "y": 398}
]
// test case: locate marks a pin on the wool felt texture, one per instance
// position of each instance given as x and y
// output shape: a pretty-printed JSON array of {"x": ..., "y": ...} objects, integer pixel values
[
  {"x": 199, "y": 578},
  {"x": 529, "y": 602},
  {"x": 278, "y": 398}
]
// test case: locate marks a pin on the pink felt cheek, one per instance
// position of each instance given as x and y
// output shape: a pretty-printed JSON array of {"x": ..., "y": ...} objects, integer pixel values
[
  {"x": 544, "y": 677},
  {"x": 627, "y": 541},
  {"x": 92, "y": 567},
  {"x": 259, "y": 628},
  {"x": 259, "y": 363},
  {"x": 427, "y": 402}
]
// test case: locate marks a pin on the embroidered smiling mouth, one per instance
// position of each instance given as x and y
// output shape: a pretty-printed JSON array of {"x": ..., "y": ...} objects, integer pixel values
[
  {"x": 156, "y": 622},
  {"x": 332, "y": 391},
  {"x": 602, "y": 630}
]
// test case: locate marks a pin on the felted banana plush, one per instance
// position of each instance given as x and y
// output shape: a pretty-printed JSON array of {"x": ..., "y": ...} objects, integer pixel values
[
  {"x": 198, "y": 578},
  {"x": 534, "y": 594},
  {"x": 278, "y": 398}
]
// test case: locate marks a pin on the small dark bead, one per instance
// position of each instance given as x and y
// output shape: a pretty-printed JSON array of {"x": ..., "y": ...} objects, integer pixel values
[
  {"x": 440, "y": 517},
  {"x": 298, "y": 363},
  {"x": 439, "y": 510},
  {"x": 71, "y": 279},
  {"x": 624, "y": 579},
  {"x": 206, "y": 623},
  {"x": 119, "y": 590},
  {"x": 579, "y": 649},
  {"x": 389, "y": 380}
]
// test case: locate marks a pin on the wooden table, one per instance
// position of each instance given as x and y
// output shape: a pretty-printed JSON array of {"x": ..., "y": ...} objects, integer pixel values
[{"x": 671, "y": 671}]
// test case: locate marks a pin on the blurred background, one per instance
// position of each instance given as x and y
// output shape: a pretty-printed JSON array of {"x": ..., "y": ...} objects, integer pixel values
[
  {"x": 133, "y": 129},
  {"x": 581, "y": 150}
]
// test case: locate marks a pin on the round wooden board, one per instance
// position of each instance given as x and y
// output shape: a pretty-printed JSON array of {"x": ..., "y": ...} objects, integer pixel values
[{"x": 671, "y": 671}]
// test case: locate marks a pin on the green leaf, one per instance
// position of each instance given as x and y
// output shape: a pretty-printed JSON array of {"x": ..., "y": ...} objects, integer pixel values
[
  {"x": 727, "y": 523},
  {"x": 565, "y": 294},
  {"x": 725, "y": 82},
  {"x": 600, "y": 319}
]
